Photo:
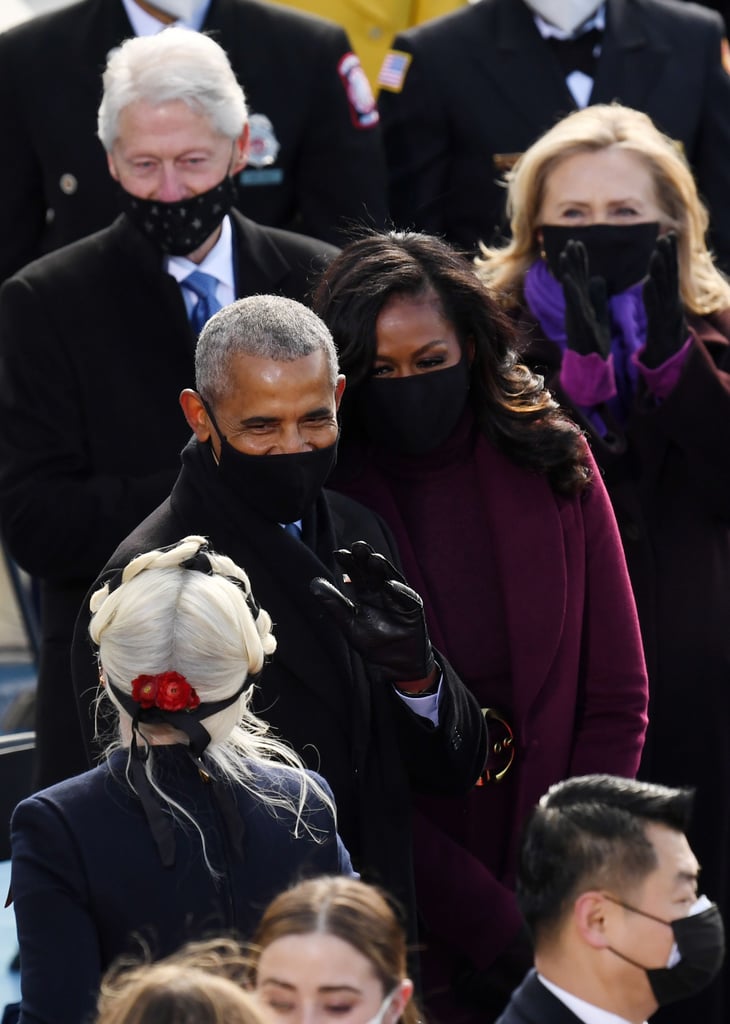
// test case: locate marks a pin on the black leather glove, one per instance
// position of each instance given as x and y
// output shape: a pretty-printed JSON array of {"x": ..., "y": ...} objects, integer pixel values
[
  {"x": 383, "y": 618},
  {"x": 666, "y": 327},
  {"x": 587, "y": 323}
]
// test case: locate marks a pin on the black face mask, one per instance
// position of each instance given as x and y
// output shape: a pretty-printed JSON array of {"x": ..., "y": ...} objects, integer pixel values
[
  {"x": 700, "y": 944},
  {"x": 281, "y": 488},
  {"x": 619, "y": 253},
  {"x": 180, "y": 228},
  {"x": 415, "y": 414}
]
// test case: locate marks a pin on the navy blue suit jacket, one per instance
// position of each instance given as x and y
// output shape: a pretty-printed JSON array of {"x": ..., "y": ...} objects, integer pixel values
[{"x": 89, "y": 885}]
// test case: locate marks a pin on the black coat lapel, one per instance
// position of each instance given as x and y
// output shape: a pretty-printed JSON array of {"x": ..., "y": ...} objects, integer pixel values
[
  {"x": 523, "y": 67},
  {"x": 143, "y": 283},
  {"x": 631, "y": 60},
  {"x": 258, "y": 264},
  {"x": 280, "y": 568}
]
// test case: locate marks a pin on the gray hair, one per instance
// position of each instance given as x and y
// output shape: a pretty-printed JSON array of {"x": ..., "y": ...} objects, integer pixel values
[
  {"x": 267, "y": 326},
  {"x": 175, "y": 64}
]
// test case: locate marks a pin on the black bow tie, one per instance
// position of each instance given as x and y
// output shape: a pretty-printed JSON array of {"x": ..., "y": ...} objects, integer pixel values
[{"x": 577, "y": 53}]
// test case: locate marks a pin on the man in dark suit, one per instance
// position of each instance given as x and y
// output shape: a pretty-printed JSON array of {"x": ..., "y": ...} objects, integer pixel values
[
  {"x": 463, "y": 96},
  {"x": 97, "y": 339},
  {"x": 607, "y": 883},
  {"x": 354, "y": 685},
  {"x": 315, "y": 162}
]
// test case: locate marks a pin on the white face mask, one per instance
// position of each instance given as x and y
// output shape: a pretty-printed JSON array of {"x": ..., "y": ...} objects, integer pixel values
[
  {"x": 566, "y": 15},
  {"x": 183, "y": 10}
]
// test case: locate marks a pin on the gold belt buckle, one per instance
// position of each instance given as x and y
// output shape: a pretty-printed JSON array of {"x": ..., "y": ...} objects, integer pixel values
[{"x": 501, "y": 747}]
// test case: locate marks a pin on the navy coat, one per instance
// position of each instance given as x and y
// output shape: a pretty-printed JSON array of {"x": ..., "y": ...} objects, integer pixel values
[{"x": 89, "y": 886}]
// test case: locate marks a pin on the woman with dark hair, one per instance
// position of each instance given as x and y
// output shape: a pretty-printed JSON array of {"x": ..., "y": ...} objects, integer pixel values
[
  {"x": 505, "y": 528},
  {"x": 332, "y": 947}
]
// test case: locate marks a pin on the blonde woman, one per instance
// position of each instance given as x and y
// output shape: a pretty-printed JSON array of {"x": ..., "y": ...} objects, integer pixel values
[
  {"x": 628, "y": 318},
  {"x": 176, "y": 993},
  {"x": 197, "y": 817}
]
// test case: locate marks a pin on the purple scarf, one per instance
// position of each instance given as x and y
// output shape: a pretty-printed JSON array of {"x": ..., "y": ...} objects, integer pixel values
[{"x": 546, "y": 302}]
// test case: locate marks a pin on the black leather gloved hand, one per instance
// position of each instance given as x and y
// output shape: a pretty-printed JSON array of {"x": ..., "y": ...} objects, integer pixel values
[
  {"x": 666, "y": 327},
  {"x": 383, "y": 619},
  {"x": 587, "y": 323}
]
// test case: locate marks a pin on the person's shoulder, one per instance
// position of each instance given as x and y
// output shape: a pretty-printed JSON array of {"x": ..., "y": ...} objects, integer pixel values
[
  {"x": 287, "y": 782},
  {"x": 78, "y": 259},
  {"x": 677, "y": 14},
  {"x": 64, "y": 798},
  {"x": 301, "y": 27},
  {"x": 156, "y": 530},
  {"x": 294, "y": 247},
  {"x": 439, "y": 34},
  {"x": 44, "y": 29}
]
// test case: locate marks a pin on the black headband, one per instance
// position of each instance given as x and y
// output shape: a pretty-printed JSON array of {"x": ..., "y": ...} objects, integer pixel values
[{"x": 199, "y": 562}]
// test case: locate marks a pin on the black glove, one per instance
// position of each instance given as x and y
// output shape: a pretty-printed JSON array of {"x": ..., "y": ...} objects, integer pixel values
[
  {"x": 383, "y": 620},
  {"x": 587, "y": 323},
  {"x": 666, "y": 328}
]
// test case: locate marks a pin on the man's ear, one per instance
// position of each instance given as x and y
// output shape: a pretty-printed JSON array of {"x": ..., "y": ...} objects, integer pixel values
[
  {"x": 112, "y": 166},
  {"x": 195, "y": 414},
  {"x": 240, "y": 151},
  {"x": 590, "y": 915},
  {"x": 339, "y": 389}
]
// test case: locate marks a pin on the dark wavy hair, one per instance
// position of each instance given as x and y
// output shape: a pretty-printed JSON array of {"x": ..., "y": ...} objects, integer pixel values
[{"x": 510, "y": 403}]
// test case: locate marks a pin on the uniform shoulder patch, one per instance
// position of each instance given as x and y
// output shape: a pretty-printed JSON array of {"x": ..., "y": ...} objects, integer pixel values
[
  {"x": 394, "y": 69},
  {"x": 360, "y": 98}
]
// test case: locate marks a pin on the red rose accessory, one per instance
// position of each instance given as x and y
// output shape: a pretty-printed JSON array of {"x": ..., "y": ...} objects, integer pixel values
[{"x": 168, "y": 691}]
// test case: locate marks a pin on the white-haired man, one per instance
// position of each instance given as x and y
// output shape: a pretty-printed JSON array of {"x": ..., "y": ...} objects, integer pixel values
[
  {"x": 97, "y": 339},
  {"x": 315, "y": 164}
]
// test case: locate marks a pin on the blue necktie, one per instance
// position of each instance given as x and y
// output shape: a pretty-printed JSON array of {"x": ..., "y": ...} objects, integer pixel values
[
  {"x": 204, "y": 286},
  {"x": 293, "y": 530}
]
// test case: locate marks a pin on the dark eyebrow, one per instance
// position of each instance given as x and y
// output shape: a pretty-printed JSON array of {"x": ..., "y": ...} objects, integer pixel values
[
  {"x": 258, "y": 421},
  {"x": 317, "y": 413},
  {"x": 419, "y": 351}
]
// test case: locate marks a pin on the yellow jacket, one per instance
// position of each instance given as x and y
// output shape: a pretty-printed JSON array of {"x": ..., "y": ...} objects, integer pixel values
[{"x": 372, "y": 24}]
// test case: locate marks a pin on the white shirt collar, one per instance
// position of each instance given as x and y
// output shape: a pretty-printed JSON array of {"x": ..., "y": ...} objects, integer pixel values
[
  {"x": 218, "y": 262},
  {"x": 586, "y": 1012},
  {"x": 145, "y": 24},
  {"x": 548, "y": 31}
]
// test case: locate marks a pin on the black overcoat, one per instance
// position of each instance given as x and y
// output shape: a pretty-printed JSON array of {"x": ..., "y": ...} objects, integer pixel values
[{"x": 95, "y": 348}]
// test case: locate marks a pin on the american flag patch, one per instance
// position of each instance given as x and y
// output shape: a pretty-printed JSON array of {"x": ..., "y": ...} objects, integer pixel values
[{"x": 394, "y": 69}]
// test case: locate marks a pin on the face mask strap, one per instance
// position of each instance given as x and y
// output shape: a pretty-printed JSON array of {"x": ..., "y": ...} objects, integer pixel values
[{"x": 635, "y": 910}]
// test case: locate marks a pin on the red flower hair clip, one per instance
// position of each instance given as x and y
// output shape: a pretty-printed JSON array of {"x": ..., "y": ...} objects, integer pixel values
[{"x": 168, "y": 691}]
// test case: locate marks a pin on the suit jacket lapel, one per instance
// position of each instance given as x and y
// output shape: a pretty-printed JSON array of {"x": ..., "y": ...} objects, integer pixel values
[
  {"x": 156, "y": 293},
  {"x": 530, "y": 553},
  {"x": 259, "y": 266},
  {"x": 522, "y": 66},
  {"x": 538, "y": 1005},
  {"x": 631, "y": 59}
]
